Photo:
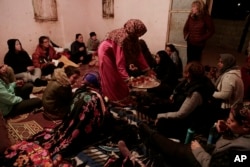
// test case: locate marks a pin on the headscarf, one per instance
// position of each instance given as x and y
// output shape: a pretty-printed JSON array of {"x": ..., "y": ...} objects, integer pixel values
[
  {"x": 93, "y": 78},
  {"x": 164, "y": 58},
  {"x": 127, "y": 38},
  {"x": 228, "y": 61},
  {"x": 11, "y": 44},
  {"x": 132, "y": 27}
]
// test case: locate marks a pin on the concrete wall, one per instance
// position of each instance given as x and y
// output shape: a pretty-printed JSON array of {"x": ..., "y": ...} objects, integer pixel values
[
  {"x": 80, "y": 16},
  {"x": 228, "y": 34}
]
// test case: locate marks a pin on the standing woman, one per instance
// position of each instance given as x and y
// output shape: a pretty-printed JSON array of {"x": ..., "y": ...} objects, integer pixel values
[
  {"x": 197, "y": 30},
  {"x": 117, "y": 53},
  {"x": 230, "y": 87}
]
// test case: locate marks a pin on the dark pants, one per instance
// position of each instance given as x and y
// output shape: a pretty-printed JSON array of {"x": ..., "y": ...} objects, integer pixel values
[
  {"x": 49, "y": 69},
  {"x": 176, "y": 154},
  {"x": 24, "y": 91},
  {"x": 86, "y": 58},
  {"x": 172, "y": 128},
  {"x": 194, "y": 53},
  {"x": 27, "y": 105}
]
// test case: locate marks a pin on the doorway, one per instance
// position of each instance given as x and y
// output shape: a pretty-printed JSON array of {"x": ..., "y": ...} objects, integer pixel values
[{"x": 226, "y": 39}]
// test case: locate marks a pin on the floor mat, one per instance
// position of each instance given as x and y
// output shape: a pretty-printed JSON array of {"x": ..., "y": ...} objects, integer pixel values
[
  {"x": 92, "y": 156},
  {"x": 22, "y": 130}
]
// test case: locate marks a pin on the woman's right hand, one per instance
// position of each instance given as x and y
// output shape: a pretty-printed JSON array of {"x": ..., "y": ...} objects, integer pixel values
[{"x": 151, "y": 73}]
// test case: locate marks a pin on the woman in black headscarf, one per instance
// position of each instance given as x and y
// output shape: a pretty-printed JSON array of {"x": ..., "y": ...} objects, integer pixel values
[
  {"x": 19, "y": 60},
  {"x": 166, "y": 72}
]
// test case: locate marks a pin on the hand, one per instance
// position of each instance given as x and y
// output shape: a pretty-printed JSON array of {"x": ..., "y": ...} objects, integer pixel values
[
  {"x": 195, "y": 144},
  {"x": 30, "y": 68},
  {"x": 19, "y": 83},
  {"x": 171, "y": 99},
  {"x": 52, "y": 63},
  {"x": 162, "y": 115},
  {"x": 132, "y": 67},
  {"x": 151, "y": 73},
  {"x": 81, "y": 48},
  {"x": 221, "y": 126},
  {"x": 156, "y": 121},
  {"x": 81, "y": 58}
]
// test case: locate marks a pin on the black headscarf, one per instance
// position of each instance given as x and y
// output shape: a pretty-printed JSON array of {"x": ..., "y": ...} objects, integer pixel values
[{"x": 11, "y": 44}]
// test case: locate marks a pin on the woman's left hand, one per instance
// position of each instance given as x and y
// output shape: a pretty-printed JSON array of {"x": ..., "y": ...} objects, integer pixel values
[{"x": 195, "y": 144}]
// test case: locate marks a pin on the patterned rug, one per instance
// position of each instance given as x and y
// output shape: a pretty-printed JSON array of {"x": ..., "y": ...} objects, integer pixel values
[
  {"x": 92, "y": 157},
  {"x": 22, "y": 130}
]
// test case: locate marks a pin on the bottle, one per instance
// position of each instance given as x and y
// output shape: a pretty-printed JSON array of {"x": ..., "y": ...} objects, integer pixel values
[
  {"x": 189, "y": 136},
  {"x": 212, "y": 134}
]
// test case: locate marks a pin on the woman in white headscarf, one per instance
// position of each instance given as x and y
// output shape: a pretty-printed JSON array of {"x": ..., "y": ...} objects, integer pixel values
[{"x": 230, "y": 88}]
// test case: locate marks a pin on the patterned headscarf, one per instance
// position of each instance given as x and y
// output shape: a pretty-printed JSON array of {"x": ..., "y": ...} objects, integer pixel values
[
  {"x": 127, "y": 38},
  {"x": 132, "y": 27}
]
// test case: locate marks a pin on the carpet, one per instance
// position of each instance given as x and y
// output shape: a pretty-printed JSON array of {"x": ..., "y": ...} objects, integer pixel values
[
  {"x": 92, "y": 157},
  {"x": 22, "y": 130}
]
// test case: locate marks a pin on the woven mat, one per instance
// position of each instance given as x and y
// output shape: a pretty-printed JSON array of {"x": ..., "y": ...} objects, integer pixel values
[
  {"x": 22, "y": 130},
  {"x": 92, "y": 156}
]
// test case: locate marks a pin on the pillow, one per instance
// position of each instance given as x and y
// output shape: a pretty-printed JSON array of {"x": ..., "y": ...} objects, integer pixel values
[{"x": 5, "y": 141}]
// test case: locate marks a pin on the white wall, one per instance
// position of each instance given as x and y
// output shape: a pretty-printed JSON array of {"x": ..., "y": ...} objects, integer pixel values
[{"x": 80, "y": 16}]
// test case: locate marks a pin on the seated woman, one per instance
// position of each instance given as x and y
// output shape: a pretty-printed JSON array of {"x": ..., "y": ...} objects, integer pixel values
[
  {"x": 166, "y": 72},
  {"x": 234, "y": 140},
  {"x": 14, "y": 95},
  {"x": 188, "y": 104},
  {"x": 174, "y": 55},
  {"x": 78, "y": 50},
  {"x": 18, "y": 59},
  {"x": 79, "y": 128},
  {"x": 43, "y": 56},
  {"x": 58, "y": 93}
]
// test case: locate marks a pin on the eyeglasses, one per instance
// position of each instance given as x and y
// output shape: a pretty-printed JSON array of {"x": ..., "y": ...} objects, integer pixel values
[{"x": 46, "y": 41}]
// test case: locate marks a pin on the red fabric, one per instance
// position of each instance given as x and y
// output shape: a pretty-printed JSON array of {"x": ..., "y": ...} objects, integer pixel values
[
  {"x": 245, "y": 75},
  {"x": 198, "y": 30},
  {"x": 41, "y": 54},
  {"x": 112, "y": 69}
]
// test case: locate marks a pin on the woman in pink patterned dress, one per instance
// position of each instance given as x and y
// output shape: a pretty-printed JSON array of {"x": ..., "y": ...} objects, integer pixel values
[{"x": 118, "y": 53}]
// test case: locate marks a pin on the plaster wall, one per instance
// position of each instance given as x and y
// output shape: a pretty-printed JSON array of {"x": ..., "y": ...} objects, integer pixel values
[{"x": 78, "y": 16}]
